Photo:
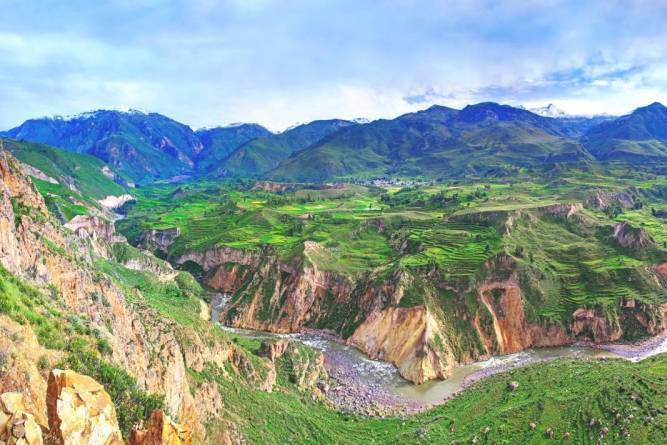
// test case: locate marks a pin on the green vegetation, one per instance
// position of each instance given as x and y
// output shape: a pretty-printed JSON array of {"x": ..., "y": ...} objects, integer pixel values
[
  {"x": 133, "y": 404},
  {"x": 177, "y": 299},
  {"x": 264, "y": 153},
  {"x": 580, "y": 397},
  {"x": 84, "y": 346},
  {"x": 564, "y": 262},
  {"x": 26, "y": 305},
  {"x": 82, "y": 171}
]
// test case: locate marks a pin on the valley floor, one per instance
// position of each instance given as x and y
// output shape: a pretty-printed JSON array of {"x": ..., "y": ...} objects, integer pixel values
[{"x": 589, "y": 401}]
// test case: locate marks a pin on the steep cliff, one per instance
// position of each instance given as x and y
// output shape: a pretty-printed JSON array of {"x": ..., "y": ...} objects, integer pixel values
[
  {"x": 101, "y": 320},
  {"x": 427, "y": 320}
]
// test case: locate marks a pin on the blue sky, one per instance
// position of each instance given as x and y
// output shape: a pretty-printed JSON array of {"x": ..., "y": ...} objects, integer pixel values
[{"x": 207, "y": 63}]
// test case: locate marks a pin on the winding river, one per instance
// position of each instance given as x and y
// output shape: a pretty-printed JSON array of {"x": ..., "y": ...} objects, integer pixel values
[{"x": 363, "y": 382}]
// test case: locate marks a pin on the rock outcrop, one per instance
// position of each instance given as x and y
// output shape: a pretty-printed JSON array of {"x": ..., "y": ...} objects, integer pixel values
[
  {"x": 405, "y": 337},
  {"x": 17, "y": 425},
  {"x": 80, "y": 411},
  {"x": 630, "y": 237},
  {"x": 94, "y": 227},
  {"x": 158, "y": 239},
  {"x": 602, "y": 200},
  {"x": 37, "y": 173},
  {"x": 160, "y": 430}
]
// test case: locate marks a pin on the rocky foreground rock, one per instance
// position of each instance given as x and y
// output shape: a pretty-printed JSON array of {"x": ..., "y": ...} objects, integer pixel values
[
  {"x": 80, "y": 412},
  {"x": 17, "y": 426}
]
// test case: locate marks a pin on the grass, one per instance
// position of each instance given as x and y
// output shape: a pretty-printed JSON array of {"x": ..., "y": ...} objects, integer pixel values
[
  {"x": 580, "y": 397},
  {"x": 177, "y": 299},
  {"x": 83, "y": 171},
  {"x": 454, "y": 229}
]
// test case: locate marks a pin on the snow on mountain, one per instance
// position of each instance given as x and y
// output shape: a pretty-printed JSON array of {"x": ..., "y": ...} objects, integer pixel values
[{"x": 549, "y": 111}]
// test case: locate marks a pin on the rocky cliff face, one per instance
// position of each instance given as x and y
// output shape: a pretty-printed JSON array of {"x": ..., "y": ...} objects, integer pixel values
[
  {"x": 155, "y": 350},
  {"x": 424, "y": 340},
  {"x": 85, "y": 226},
  {"x": 632, "y": 238},
  {"x": 158, "y": 240},
  {"x": 80, "y": 412},
  {"x": 161, "y": 431}
]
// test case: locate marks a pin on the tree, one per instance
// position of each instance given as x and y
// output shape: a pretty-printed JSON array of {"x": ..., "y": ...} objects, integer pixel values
[{"x": 614, "y": 209}]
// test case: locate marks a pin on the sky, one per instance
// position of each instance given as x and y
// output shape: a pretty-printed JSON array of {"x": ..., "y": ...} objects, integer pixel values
[{"x": 277, "y": 63}]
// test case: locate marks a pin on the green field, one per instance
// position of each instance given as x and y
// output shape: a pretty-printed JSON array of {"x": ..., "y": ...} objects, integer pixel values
[{"x": 453, "y": 228}]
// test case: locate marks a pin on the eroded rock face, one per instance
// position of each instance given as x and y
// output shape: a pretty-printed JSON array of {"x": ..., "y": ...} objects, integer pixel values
[
  {"x": 587, "y": 322},
  {"x": 602, "y": 200},
  {"x": 18, "y": 369},
  {"x": 17, "y": 425},
  {"x": 562, "y": 210},
  {"x": 158, "y": 239},
  {"x": 630, "y": 237},
  {"x": 405, "y": 337},
  {"x": 80, "y": 411},
  {"x": 161, "y": 430},
  {"x": 93, "y": 227}
]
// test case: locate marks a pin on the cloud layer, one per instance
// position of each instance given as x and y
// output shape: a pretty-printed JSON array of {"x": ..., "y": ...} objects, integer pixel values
[{"x": 208, "y": 62}]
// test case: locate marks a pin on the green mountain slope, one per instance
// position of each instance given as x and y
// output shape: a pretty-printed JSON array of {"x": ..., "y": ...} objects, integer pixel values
[
  {"x": 262, "y": 154},
  {"x": 85, "y": 173},
  {"x": 71, "y": 183},
  {"x": 144, "y": 147},
  {"x": 219, "y": 142},
  {"x": 641, "y": 135},
  {"x": 438, "y": 142}
]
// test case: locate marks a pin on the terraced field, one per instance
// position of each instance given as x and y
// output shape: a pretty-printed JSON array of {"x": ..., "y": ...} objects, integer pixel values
[{"x": 563, "y": 262}]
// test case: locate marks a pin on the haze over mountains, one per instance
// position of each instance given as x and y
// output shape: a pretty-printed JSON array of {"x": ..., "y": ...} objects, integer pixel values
[{"x": 437, "y": 142}]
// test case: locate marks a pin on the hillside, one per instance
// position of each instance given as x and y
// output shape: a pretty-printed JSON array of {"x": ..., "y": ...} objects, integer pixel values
[
  {"x": 143, "y": 147},
  {"x": 219, "y": 142},
  {"x": 485, "y": 139},
  {"x": 71, "y": 183},
  {"x": 263, "y": 154},
  {"x": 89, "y": 302},
  {"x": 477, "y": 269},
  {"x": 637, "y": 137},
  {"x": 481, "y": 139}
]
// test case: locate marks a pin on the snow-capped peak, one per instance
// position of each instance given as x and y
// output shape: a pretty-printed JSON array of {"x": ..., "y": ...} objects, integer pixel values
[
  {"x": 91, "y": 114},
  {"x": 550, "y": 110}
]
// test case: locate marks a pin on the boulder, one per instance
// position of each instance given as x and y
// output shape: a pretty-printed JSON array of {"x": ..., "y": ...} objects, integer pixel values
[
  {"x": 273, "y": 349},
  {"x": 80, "y": 411},
  {"x": 17, "y": 427},
  {"x": 161, "y": 431}
]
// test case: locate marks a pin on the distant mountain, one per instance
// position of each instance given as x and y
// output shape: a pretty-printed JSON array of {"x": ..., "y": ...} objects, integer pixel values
[
  {"x": 219, "y": 142},
  {"x": 440, "y": 141},
  {"x": 481, "y": 139},
  {"x": 147, "y": 147},
  {"x": 265, "y": 153},
  {"x": 142, "y": 146},
  {"x": 641, "y": 135}
]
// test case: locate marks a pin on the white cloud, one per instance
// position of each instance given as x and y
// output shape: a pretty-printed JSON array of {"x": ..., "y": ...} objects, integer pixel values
[{"x": 206, "y": 62}]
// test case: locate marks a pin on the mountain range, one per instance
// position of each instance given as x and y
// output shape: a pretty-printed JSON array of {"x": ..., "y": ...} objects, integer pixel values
[{"x": 485, "y": 138}]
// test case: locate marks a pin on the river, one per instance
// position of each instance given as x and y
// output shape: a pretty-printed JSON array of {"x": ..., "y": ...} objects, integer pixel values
[{"x": 361, "y": 384}]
